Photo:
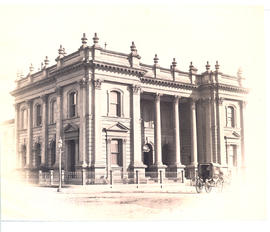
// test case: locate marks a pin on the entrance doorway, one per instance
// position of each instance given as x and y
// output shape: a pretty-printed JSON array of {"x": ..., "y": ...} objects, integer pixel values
[
  {"x": 71, "y": 154},
  {"x": 148, "y": 156}
]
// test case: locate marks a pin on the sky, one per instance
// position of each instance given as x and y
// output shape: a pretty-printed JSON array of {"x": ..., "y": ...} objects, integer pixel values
[{"x": 233, "y": 34}]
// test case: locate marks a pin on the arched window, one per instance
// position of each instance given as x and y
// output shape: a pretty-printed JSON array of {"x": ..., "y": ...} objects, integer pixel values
[
  {"x": 230, "y": 116},
  {"x": 38, "y": 115},
  {"x": 115, "y": 109},
  {"x": 53, "y": 111},
  {"x": 72, "y": 104},
  {"x": 53, "y": 152},
  {"x": 23, "y": 118}
]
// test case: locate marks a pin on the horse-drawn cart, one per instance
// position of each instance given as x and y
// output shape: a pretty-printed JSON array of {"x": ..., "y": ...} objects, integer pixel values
[{"x": 209, "y": 176}]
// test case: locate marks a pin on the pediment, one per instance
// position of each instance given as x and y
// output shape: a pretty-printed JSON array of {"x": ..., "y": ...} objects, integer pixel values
[
  {"x": 117, "y": 127},
  {"x": 71, "y": 128}
]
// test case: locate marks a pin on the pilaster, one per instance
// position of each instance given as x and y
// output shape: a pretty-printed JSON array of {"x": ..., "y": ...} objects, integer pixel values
[
  {"x": 98, "y": 161},
  {"x": 44, "y": 132},
  {"x": 82, "y": 144},
  {"x": 29, "y": 134},
  {"x": 136, "y": 129},
  {"x": 59, "y": 125}
]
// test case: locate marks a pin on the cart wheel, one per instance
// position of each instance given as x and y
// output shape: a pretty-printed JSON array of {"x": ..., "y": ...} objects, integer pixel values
[
  {"x": 219, "y": 185},
  {"x": 208, "y": 186},
  {"x": 199, "y": 185}
]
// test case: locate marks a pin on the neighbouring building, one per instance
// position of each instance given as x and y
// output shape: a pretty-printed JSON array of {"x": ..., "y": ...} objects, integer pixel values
[{"x": 113, "y": 112}]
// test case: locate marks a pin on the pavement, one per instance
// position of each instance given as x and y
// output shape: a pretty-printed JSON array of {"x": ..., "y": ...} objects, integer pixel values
[{"x": 126, "y": 202}]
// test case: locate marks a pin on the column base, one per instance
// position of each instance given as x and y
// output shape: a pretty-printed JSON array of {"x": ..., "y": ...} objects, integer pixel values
[
  {"x": 156, "y": 168},
  {"x": 178, "y": 171},
  {"x": 137, "y": 167},
  {"x": 191, "y": 171}
]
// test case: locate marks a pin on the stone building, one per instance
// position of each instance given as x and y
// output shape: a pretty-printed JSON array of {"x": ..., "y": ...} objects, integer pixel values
[{"x": 115, "y": 113}]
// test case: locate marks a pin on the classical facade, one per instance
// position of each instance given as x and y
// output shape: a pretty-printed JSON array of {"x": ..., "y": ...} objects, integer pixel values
[{"x": 113, "y": 112}]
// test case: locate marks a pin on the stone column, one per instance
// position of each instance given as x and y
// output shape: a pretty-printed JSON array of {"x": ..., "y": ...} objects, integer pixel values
[
  {"x": 82, "y": 143},
  {"x": 136, "y": 130},
  {"x": 58, "y": 125},
  {"x": 44, "y": 132},
  {"x": 99, "y": 164},
  {"x": 158, "y": 165},
  {"x": 16, "y": 134},
  {"x": 192, "y": 168},
  {"x": 208, "y": 131},
  {"x": 29, "y": 134},
  {"x": 193, "y": 127},
  {"x": 177, "y": 167}
]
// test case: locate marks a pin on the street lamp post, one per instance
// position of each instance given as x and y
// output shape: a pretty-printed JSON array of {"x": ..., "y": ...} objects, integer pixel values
[{"x": 60, "y": 144}]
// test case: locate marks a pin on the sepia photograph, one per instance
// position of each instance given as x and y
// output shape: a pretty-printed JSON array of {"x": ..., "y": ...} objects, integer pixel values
[{"x": 138, "y": 112}]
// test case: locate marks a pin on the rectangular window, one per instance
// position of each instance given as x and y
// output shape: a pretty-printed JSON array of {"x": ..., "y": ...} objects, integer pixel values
[
  {"x": 116, "y": 152},
  {"x": 115, "y": 104}
]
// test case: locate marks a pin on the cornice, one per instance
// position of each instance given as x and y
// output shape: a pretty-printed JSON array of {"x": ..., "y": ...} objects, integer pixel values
[
  {"x": 163, "y": 82},
  {"x": 26, "y": 88},
  {"x": 118, "y": 68},
  {"x": 67, "y": 69},
  {"x": 230, "y": 88}
]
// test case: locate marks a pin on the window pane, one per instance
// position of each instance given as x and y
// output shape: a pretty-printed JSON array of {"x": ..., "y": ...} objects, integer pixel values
[
  {"x": 113, "y": 109},
  {"x": 54, "y": 110},
  {"x": 114, "y": 146},
  {"x": 114, "y": 160},
  {"x": 114, "y": 97}
]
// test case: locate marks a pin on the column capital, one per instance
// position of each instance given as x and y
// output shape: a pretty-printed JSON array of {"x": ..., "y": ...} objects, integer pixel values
[
  {"x": 16, "y": 106},
  {"x": 97, "y": 83},
  {"x": 244, "y": 104},
  {"x": 58, "y": 90},
  {"x": 83, "y": 82},
  {"x": 44, "y": 97},
  {"x": 176, "y": 98},
  {"x": 29, "y": 102},
  {"x": 136, "y": 89},
  {"x": 220, "y": 100},
  {"x": 157, "y": 96}
]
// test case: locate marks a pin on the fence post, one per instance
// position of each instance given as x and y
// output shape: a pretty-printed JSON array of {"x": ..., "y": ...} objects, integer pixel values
[
  {"x": 182, "y": 176},
  {"x": 39, "y": 177},
  {"x": 63, "y": 176},
  {"x": 137, "y": 178},
  {"x": 83, "y": 176},
  {"x": 160, "y": 176},
  {"x": 111, "y": 178},
  {"x": 51, "y": 177}
]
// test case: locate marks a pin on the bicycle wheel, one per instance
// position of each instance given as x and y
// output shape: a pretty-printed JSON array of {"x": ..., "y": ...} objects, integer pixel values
[
  {"x": 208, "y": 186},
  {"x": 219, "y": 185},
  {"x": 199, "y": 185}
]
